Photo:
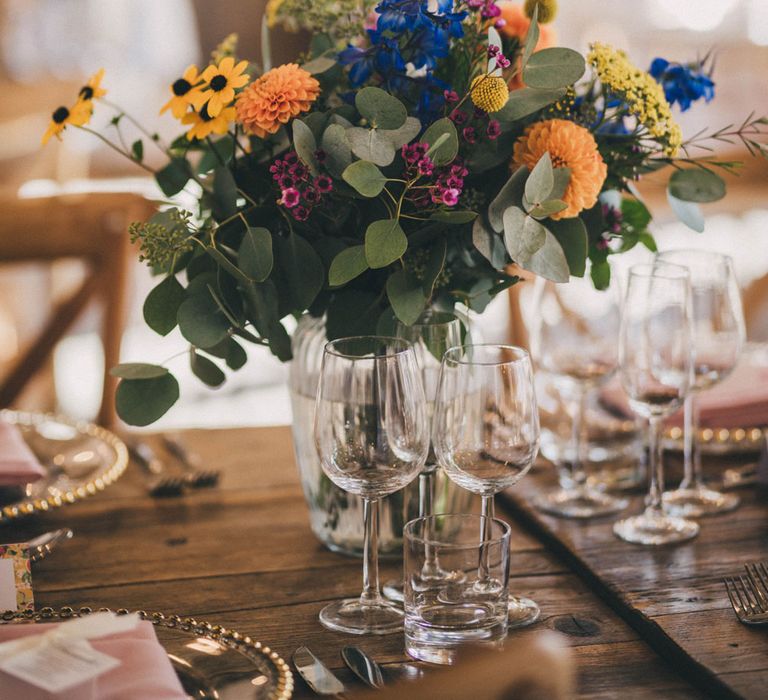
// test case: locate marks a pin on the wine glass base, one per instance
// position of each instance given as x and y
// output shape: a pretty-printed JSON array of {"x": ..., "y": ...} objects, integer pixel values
[
  {"x": 522, "y": 612},
  {"x": 581, "y": 503},
  {"x": 698, "y": 502},
  {"x": 652, "y": 529},
  {"x": 393, "y": 590},
  {"x": 351, "y": 616}
]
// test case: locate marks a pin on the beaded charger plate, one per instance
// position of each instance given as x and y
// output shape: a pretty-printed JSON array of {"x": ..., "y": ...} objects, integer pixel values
[
  {"x": 81, "y": 459},
  {"x": 212, "y": 663}
]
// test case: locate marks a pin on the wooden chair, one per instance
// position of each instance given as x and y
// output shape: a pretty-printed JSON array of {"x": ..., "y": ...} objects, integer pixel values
[{"x": 92, "y": 228}]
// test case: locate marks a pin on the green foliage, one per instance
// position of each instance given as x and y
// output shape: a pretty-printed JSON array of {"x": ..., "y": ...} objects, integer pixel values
[
  {"x": 347, "y": 265},
  {"x": 302, "y": 268},
  {"x": 696, "y": 185},
  {"x": 337, "y": 149},
  {"x": 527, "y": 101},
  {"x": 137, "y": 150},
  {"x": 173, "y": 177},
  {"x": 142, "y": 401},
  {"x": 511, "y": 194},
  {"x": 137, "y": 370},
  {"x": 571, "y": 234},
  {"x": 385, "y": 242},
  {"x": 382, "y": 110},
  {"x": 162, "y": 305},
  {"x": 380, "y": 145},
  {"x": 406, "y": 294},
  {"x": 201, "y": 321},
  {"x": 352, "y": 312},
  {"x": 205, "y": 370},
  {"x": 365, "y": 177},
  {"x": 553, "y": 68},
  {"x": 445, "y": 130},
  {"x": 305, "y": 144},
  {"x": 533, "y": 247},
  {"x": 489, "y": 244},
  {"x": 454, "y": 216},
  {"x": 688, "y": 212},
  {"x": 255, "y": 253},
  {"x": 224, "y": 192}
]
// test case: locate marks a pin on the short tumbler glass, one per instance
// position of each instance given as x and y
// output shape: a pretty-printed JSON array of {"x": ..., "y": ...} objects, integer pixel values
[{"x": 469, "y": 604}]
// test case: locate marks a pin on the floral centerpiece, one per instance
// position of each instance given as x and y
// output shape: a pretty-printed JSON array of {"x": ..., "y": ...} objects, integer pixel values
[{"x": 416, "y": 151}]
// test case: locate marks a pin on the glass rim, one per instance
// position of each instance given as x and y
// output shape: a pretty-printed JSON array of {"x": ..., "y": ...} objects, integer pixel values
[
  {"x": 425, "y": 319},
  {"x": 660, "y": 269},
  {"x": 521, "y": 355},
  {"x": 410, "y": 536},
  {"x": 401, "y": 346},
  {"x": 696, "y": 252}
]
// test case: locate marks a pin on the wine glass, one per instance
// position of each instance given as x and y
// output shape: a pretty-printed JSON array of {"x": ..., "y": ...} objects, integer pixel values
[
  {"x": 656, "y": 369},
  {"x": 372, "y": 437},
  {"x": 432, "y": 334},
  {"x": 485, "y": 431},
  {"x": 718, "y": 337},
  {"x": 575, "y": 339}
]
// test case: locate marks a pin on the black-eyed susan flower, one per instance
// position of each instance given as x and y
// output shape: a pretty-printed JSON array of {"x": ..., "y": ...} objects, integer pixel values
[
  {"x": 204, "y": 124},
  {"x": 221, "y": 83},
  {"x": 79, "y": 115},
  {"x": 185, "y": 91},
  {"x": 92, "y": 90}
]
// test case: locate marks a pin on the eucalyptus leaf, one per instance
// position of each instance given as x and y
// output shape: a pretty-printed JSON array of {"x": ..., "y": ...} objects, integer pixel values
[
  {"x": 318, "y": 65},
  {"x": 404, "y": 134},
  {"x": 225, "y": 263},
  {"x": 382, "y": 110},
  {"x": 526, "y": 101},
  {"x": 489, "y": 244},
  {"x": 305, "y": 144},
  {"x": 449, "y": 148},
  {"x": 523, "y": 236},
  {"x": 138, "y": 370},
  {"x": 561, "y": 177},
  {"x": 352, "y": 312},
  {"x": 201, "y": 321},
  {"x": 406, "y": 295},
  {"x": 648, "y": 241},
  {"x": 688, "y": 212},
  {"x": 255, "y": 256},
  {"x": 549, "y": 261},
  {"x": 600, "y": 272},
  {"x": 303, "y": 269},
  {"x": 696, "y": 185},
  {"x": 137, "y": 150},
  {"x": 511, "y": 194},
  {"x": 347, "y": 265},
  {"x": 385, "y": 242},
  {"x": 207, "y": 371},
  {"x": 553, "y": 68},
  {"x": 173, "y": 177},
  {"x": 224, "y": 192},
  {"x": 338, "y": 153},
  {"x": 370, "y": 145},
  {"x": 460, "y": 216},
  {"x": 547, "y": 208},
  {"x": 571, "y": 234},
  {"x": 541, "y": 180},
  {"x": 365, "y": 177},
  {"x": 231, "y": 352},
  {"x": 142, "y": 401},
  {"x": 434, "y": 266},
  {"x": 531, "y": 37},
  {"x": 162, "y": 304}
]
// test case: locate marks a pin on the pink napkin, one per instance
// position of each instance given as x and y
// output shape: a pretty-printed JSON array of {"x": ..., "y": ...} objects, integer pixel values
[
  {"x": 740, "y": 401},
  {"x": 18, "y": 464},
  {"x": 145, "y": 672}
]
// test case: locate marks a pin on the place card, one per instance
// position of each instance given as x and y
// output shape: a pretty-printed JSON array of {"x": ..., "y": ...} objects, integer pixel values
[{"x": 15, "y": 578}]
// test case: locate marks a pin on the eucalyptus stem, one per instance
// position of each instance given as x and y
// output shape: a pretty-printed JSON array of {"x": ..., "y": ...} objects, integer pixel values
[{"x": 116, "y": 148}]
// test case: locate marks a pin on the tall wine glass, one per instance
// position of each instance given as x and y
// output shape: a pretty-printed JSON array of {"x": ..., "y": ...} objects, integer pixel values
[
  {"x": 656, "y": 368},
  {"x": 486, "y": 429},
  {"x": 432, "y": 334},
  {"x": 372, "y": 438},
  {"x": 718, "y": 337},
  {"x": 575, "y": 339}
]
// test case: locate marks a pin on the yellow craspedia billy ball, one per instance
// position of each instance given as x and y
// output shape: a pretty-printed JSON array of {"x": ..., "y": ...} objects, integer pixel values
[
  {"x": 547, "y": 9},
  {"x": 489, "y": 92}
]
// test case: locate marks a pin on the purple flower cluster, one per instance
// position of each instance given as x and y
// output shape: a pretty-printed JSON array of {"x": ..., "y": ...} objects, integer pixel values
[
  {"x": 475, "y": 125},
  {"x": 488, "y": 10},
  {"x": 299, "y": 191},
  {"x": 501, "y": 60},
  {"x": 448, "y": 181}
]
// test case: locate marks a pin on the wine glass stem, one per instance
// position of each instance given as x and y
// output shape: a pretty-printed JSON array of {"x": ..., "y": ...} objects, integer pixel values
[
  {"x": 656, "y": 489},
  {"x": 488, "y": 512},
  {"x": 371, "y": 594},
  {"x": 430, "y": 569},
  {"x": 578, "y": 475},
  {"x": 692, "y": 477}
]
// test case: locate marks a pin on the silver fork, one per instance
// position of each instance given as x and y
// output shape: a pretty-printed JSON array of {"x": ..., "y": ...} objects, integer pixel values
[
  {"x": 196, "y": 476},
  {"x": 749, "y": 595},
  {"x": 159, "y": 484}
]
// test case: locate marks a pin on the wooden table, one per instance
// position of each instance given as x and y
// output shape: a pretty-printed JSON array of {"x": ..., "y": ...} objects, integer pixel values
[{"x": 243, "y": 556}]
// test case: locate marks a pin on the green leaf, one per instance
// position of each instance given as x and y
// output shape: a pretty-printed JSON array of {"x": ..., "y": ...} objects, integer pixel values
[
  {"x": 231, "y": 352},
  {"x": 173, "y": 177},
  {"x": 224, "y": 192},
  {"x": 635, "y": 213},
  {"x": 225, "y": 263},
  {"x": 648, "y": 241},
  {"x": 553, "y": 68},
  {"x": 137, "y": 150},
  {"x": 369, "y": 145},
  {"x": 162, "y": 305},
  {"x": 352, "y": 312},
  {"x": 434, "y": 266},
  {"x": 532, "y": 37},
  {"x": 571, "y": 234},
  {"x": 385, "y": 242},
  {"x": 303, "y": 269},
  {"x": 523, "y": 236},
  {"x": 382, "y": 110},
  {"x": 696, "y": 185},
  {"x": 547, "y": 208},
  {"x": 365, "y": 177},
  {"x": 449, "y": 148},
  {"x": 137, "y": 370},
  {"x": 461, "y": 216},
  {"x": 541, "y": 180},
  {"x": 218, "y": 153},
  {"x": 600, "y": 273},
  {"x": 561, "y": 176},
  {"x": 305, "y": 144},
  {"x": 337, "y": 150},
  {"x": 526, "y": 101},
  {"x": 207, "y": 371},
  {"x": 347, "y": 265},
  {"x": 255, "y": 256},
  {"x": 201, "y": 321},
  {"x": 489, "y": 244},
  {"x": 688, "y": 212},
  {"x": 399, "y": 137},
  {"x": 406, "y": 295},
  {"x": 511, "y": 194},
  {"x": 318, "y": 65},
  {"x": 143, "y": 401}
]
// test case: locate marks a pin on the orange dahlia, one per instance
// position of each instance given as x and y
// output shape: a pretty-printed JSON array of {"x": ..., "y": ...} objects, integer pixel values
[
  {"x": 569, "y": 146},
  {"x": 275, "y": 98}
]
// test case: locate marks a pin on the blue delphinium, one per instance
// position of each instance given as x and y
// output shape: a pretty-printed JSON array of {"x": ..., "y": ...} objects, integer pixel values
[{"x": 683, "y": 83}]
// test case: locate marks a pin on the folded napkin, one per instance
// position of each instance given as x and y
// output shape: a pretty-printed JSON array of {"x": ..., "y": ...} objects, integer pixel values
[
  {"x": 740, "y": 401},
  {"x": 145, "y": 670},
  {"x": 18, "y": 464}
]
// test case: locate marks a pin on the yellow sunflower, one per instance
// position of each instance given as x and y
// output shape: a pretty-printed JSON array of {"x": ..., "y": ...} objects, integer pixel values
[
  {"x": 221, "y": 83},
  {"x": 79, "y": 115},
  {"x": 92, "y": 90},
  {"x": 204, "y": 124},
  {"x": 185, "y": 92}
]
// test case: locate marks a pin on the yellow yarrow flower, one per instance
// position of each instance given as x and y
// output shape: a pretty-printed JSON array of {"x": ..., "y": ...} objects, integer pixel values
[
  {"x": 642, "y": 94},
  {"x": 489, "y": 92},
  {"x": 79, "y": 115},
  {"x": 547, "y": 9}
]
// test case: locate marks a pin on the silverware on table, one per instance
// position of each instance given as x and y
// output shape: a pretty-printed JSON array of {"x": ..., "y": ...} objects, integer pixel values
[
  {"x": 363, "y": 666},
  {"x": 42, "y": 545},
  {"x": 738, "y": 477},
  {"x": 196, "y": 476},
  {"x": 316, "y": 674},
  {"x": 159, "y": 485},
  {"x": 749, "y": 594}
]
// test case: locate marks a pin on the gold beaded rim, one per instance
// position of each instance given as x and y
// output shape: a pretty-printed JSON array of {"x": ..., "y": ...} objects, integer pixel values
[
  {"x": 743, "y": 438},
  {"x": 89, "y": 487},
  {"x": 252, "y": 649}
]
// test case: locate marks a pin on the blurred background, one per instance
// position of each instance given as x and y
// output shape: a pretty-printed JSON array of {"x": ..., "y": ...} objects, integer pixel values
[{"x": 58, "y": 261}]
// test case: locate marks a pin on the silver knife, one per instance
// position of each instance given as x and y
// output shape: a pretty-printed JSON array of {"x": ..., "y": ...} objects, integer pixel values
[
  {"x": 316, "y": 674},
  {"x": 363, "y": 666}
]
